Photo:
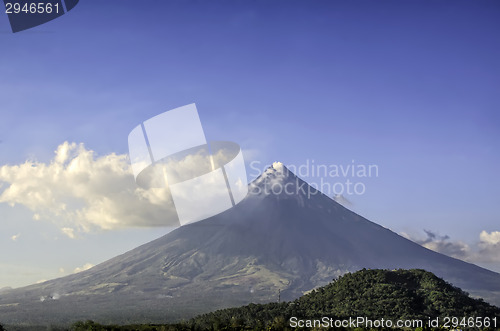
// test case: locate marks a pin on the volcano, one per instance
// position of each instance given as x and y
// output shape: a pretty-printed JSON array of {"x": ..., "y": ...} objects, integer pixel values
[{"x": 284, "y": 239}]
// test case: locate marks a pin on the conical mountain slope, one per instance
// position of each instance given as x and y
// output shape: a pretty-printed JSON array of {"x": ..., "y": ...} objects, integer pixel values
[{"x": 283, "y": 236}]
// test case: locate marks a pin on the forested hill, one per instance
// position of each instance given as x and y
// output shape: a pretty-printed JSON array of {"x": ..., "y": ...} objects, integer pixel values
[
  {"x": 374, "y": 294},
  {"x": 392, "y": 294}
]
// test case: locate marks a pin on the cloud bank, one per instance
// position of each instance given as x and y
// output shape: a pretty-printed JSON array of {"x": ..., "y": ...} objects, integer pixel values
[
  {"x": 86, "y": 266},
  {"x": 485, "y": 250},
  {"x": 15, "y": 237},
  {"x": 489, "y": 246},
  {"x": 80, "y": 191}
]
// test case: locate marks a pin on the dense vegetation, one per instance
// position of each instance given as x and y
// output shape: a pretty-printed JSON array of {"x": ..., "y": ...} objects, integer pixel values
[{"x": 374, "y": 294}]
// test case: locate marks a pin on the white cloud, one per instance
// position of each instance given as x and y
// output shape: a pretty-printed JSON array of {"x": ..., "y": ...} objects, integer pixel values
[
  {"x": 406, "y": 235},
  {"x": 486, "y": 250},
  {"x": 80, "y": 191},
  {"x": 339, "y": 198},
  {"x": 489, "y": 245},
  {"x": 86, "y": 266},
  {"x": 15, "y": 237},
  {"x": 69, "y": 232},
  {"x": 492, "y": 238},
  {"x": 443, "y": 244}
]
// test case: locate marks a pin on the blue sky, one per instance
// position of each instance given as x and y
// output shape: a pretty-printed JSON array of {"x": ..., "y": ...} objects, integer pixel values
[{"x": 411, "y": 86}]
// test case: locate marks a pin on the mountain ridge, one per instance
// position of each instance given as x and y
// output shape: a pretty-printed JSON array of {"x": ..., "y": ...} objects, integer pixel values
[{"x": 271, "y": 241}]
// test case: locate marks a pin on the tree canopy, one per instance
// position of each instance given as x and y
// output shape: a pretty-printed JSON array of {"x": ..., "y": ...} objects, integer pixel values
[{"x": 389, "y": 294}]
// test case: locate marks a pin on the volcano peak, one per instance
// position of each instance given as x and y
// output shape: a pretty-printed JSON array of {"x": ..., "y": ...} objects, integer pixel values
[{"x": 278, "y": 166}]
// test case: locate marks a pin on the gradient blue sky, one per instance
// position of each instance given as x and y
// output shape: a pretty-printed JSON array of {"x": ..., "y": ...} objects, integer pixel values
[{"x": 411, "y": 86}]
